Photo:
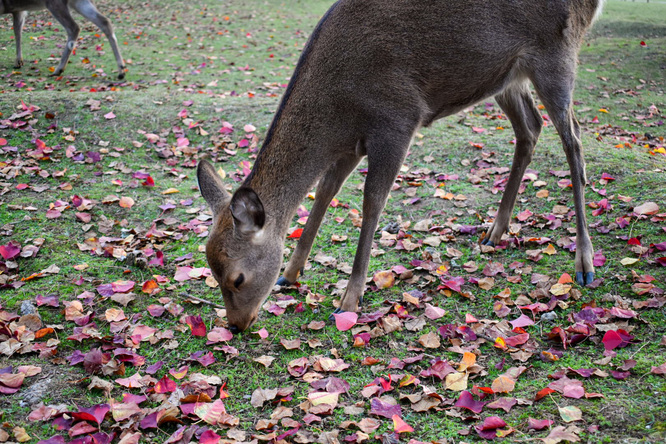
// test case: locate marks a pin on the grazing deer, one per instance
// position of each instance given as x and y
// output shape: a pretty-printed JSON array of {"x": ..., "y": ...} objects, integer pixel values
[
  {"x": 60, "y": 10},
  {"x": 371, "y": 74}
]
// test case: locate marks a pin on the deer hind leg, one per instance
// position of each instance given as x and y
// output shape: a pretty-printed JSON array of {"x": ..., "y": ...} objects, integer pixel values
[
  {"x": 327, "y": 188},
  {"x": 89, "y": 11},
  {"x": 555, "y": 91},
  {"x": 61, "y": 13},
  {"x": 19, "y": 21},
  {"x": 517, "y": 103},
  {"x": 386, "y": 152}
]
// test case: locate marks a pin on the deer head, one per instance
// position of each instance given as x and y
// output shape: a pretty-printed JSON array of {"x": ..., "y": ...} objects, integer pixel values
[{"x": 242, "y": 251}]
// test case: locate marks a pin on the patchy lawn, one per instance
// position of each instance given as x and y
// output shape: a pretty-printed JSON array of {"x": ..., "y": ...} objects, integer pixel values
[{"x": 107, "y": 331}]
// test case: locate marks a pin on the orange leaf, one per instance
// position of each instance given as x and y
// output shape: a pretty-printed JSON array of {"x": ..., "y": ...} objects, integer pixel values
[
  {"x": 468, "y": 360},
  {"x": 126, "y": 202},
  {"x": 400, "y": 426},
  {"x": 565, "y": 279}
]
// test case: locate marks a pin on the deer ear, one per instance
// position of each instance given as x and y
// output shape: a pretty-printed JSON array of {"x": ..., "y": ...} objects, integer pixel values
[
  {"x": 211, "y": 187},
  {"x": 248, "y": 211}
]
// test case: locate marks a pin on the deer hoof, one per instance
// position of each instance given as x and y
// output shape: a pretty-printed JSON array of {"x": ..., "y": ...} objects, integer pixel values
[
  {"x": 283, "y": 282},
  {"x": 336, "y": 311},
  {"x": 121, "y": 75},
  {"x": 488, "y": 242},
  {"x": 19, "y": 64},
  {"x": 583, "y": 278}
]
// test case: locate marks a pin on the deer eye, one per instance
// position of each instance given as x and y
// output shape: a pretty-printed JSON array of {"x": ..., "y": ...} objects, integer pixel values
[{"x": 239, "y": 280}]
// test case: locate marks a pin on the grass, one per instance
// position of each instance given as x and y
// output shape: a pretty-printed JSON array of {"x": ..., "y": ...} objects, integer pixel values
[{"x": 231, "y": 61}]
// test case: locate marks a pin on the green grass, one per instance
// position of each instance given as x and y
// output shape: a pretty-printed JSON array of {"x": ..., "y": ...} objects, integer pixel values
[{"x": 234, "y": 71}]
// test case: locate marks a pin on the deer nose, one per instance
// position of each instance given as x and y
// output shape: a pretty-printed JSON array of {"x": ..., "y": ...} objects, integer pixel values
[{"x": 234, "y": 329}]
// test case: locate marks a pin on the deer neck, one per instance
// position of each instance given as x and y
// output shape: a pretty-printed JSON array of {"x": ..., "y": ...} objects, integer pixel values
[{"x": 288, "y": 166}]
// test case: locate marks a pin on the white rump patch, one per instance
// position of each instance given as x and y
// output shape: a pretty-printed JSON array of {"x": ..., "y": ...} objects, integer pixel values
[{"x": 600, "y": 7}]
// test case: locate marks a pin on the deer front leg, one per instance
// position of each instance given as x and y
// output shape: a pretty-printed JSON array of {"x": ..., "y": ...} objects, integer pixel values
[
  {"x": 385, "y": 157},
  {"x": 61, "y": 13},
  {"x": 19, "y": 21},
  {"x": 517, "y": 103},
  {"x": 89, "y": 11},
  {"x": 327, "y": 188}
]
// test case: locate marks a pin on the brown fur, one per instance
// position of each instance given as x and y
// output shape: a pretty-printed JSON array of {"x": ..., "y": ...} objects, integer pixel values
[{"x": 371, "y": 74}]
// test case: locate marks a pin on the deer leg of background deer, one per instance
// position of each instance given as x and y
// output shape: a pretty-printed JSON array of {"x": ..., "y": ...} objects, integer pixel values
[
  {"x": 328, "y": 187},
  {"x": 517, "y": 103},
  {"x": 386, "y": 153},
  {"x": 556, "y": 96},
  {"x": 19, "y": 21},
  {"x": 61, "y": 13},
  {"x": 88, "y": 10}
]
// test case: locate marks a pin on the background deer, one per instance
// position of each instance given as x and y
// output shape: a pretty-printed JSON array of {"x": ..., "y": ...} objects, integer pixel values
[
  {"x": 371, "y": 74},
  {"x": 60, "y": 10}
]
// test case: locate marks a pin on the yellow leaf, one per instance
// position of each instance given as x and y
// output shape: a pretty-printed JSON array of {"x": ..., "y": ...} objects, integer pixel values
[
  {"x": 629, "y": 261},
  {"x": 550, "y": 249},
  {"x": 456, "y": 382},
  {"x": 560, "y": 289},
  {"x": 171, "y": 191}
]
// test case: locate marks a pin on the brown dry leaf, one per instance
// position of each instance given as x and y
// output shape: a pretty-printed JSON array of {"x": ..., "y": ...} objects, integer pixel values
[
  {"x": 430, "y": 340},
  {"x": 503, "y": 384},
  {"x": 260, "y": 396},
  {"x": 290, "y": 344},
  {"x": 486, "y": 283},
  {"x": 264, "y": 360},
  {"x": 115, "y": 315}
]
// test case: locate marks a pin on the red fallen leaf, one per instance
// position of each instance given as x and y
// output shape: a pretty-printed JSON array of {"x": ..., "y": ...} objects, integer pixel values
[
  {"x": 10, "y": 250},
  {"x": 400, "y": 426},
  {"x": 165, "y": 385},
  {"x": 12, "y": 380},
  {"x": 466, "y": 400},
  {"x": 296, "y": 234},
  {"x": 81, "y": 428},
  {"x": 544, "y": 392},
  {"x": 196, "y": 325},
  {"x": 505, "y": 404},
  {"x": 345, "y": 320},
  {"x": 209, "y": 437},
  {"x": 219, "y": 334},
  {"x": 611, "y": 340},
  {"x": 599, "y": 259},
  {"x": 381, "y": 408},
  {"x": 149, "y": 182},
  {"x": 95, "y": 413},
  {"x": 109, "y": 115},
  {"x": 158, "y": 260},
  {"x": 522, "y": 321},
  {"x": 538, "y": 424},
  {"x": 488, "y": 430},
  {"x": 122, "y": 286},
  {"x": 524, "y": 215},
  {"x": 432, "y": 312},
  {"x": 263, "y": 333},
  {"x": 661, "y": 370}
]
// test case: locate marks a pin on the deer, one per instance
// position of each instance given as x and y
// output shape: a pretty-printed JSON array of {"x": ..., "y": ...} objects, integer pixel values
[
  {"x": 370, "y": 75},
  {"x": 60, "y": 9}
]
